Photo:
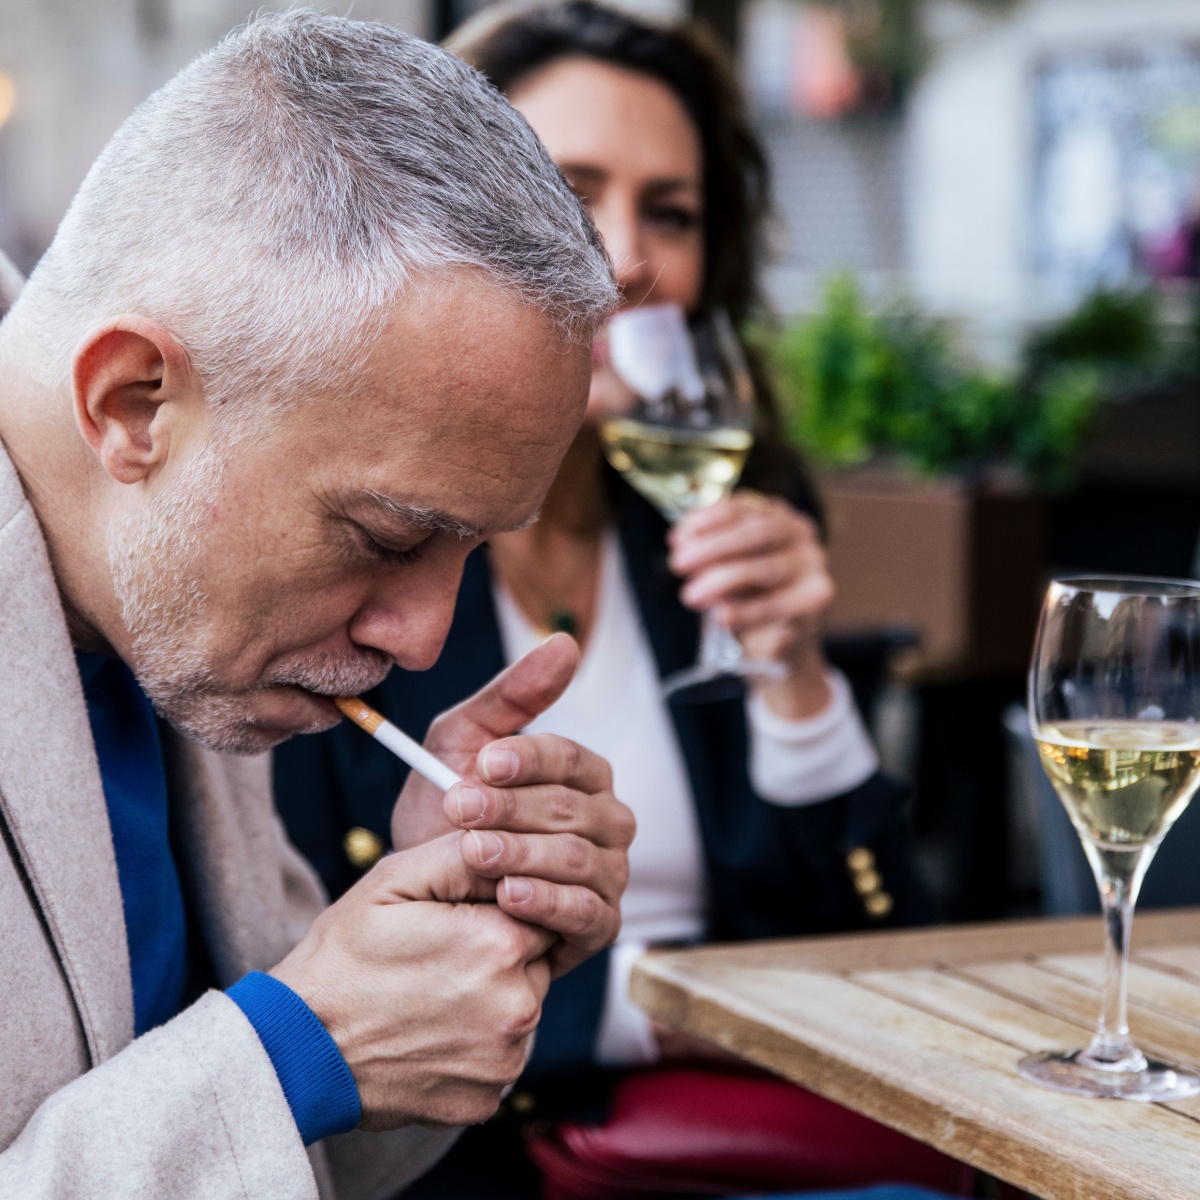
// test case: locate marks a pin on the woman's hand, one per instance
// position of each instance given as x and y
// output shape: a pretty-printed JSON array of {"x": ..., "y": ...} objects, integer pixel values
[{"x": 759, "y": 565}]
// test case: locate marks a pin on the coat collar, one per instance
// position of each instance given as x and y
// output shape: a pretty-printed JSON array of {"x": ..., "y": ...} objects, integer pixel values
[{"x": 50, "y": 791}]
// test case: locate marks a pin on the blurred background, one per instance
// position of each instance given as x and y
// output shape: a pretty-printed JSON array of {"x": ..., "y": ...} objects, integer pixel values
[{"x": 982, "y": 309}]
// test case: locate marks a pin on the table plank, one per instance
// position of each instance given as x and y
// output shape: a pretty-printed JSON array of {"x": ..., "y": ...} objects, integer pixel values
[
  {"x": 970, "y": 1002},
  {"x": 1149, "y": 987},
  {"x": 1059, "y": 996},
  {"x": 1183, "y": 960},
  {"x": 943, "y": 946},
  {"x": 934, "y": 1079},
  {"x": 973, "y": 1005}
]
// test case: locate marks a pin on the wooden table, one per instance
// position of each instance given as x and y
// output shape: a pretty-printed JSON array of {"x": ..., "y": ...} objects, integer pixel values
[{"x": 922, "y": 1029}]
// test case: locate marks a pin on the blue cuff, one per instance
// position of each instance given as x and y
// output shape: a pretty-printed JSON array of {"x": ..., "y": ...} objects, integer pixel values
[{"x": 316, "y": 1082}]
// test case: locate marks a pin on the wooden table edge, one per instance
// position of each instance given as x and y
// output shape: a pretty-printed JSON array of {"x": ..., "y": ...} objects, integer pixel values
[{"x": 663, "y": 991}]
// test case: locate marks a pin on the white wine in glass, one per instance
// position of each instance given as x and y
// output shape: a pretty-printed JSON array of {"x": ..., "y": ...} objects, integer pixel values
[
  {"x": 677, "y": 469},
  {"x": 678, "y": 423},
  {"x": 1114, "y": 702}
]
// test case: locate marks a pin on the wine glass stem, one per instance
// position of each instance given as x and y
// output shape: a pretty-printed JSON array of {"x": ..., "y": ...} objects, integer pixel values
[
  {"x": 718, "y": 647},
  {"x": 1119, "y": 876}
]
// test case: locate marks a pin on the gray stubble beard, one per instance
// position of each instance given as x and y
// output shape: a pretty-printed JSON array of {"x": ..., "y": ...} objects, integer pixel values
[{"x": 156, "y": 561}]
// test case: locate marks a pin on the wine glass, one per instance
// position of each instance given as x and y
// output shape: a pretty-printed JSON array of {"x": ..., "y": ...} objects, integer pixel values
[
  {"x": 1114, "y": 696},
  {"x": 677, "y": 421}
]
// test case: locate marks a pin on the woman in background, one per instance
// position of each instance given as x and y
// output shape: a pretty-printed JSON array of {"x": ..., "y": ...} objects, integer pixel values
[{"x": 759, "y": 816}]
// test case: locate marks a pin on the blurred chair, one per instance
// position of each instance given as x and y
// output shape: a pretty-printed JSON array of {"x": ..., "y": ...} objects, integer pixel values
[
  {"x": 865, "y": 658},
  {"x": 1067, "y": 886}
]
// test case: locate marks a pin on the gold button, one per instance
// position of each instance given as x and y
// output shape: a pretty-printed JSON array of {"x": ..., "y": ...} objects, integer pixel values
[
  {"x": 363, "y": 848},
  {"x": 878, "y": 904},
  {"x": 866, "y": 882},
  {"x": 522, "y": 1103},
  {"x": 860, "y": 859}
]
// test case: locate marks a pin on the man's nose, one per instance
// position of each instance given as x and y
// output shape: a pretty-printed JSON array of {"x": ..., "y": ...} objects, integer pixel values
[{"x": 408, "y": 613}]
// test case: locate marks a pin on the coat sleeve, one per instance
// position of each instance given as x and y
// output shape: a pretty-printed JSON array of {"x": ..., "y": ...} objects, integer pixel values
[
  {"x": 351, "y": 1166},
  {"x": 190, "y": 1110}
]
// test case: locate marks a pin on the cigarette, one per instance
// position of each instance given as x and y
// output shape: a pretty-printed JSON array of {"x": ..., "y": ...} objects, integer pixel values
[{"x": 398, "y": 742}]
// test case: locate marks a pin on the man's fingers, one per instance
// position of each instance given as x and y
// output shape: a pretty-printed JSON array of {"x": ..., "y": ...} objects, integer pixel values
[
  {"x": 512, "y": 699},
  {"x": 556, "y": 857},
  {"x": 542, "y": 808},
  {"x": 543, "y": 758},
  {"x": 433, "y": 871},
  {"x": 576, "y": 914}
]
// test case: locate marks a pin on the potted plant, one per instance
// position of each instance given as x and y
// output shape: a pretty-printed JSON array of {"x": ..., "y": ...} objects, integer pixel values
[{"x": 932, "y": 470}]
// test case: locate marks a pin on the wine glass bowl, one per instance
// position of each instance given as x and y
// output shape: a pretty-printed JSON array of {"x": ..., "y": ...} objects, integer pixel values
[
  {"x": 677, "y": 415},
  {"x": 1114, "y": 697}
]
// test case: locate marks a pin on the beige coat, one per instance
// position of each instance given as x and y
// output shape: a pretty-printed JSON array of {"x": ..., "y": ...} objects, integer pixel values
[{"x": 192, "y": 1109}]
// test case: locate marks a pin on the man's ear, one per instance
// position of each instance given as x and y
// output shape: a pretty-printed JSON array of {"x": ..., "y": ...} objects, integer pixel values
[{"x": 129, "y": 376}]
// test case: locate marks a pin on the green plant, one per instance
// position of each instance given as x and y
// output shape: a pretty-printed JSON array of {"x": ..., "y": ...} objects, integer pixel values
[
  {"x": 862, "y": 383},
  {"x": 1107, "y": 327}
]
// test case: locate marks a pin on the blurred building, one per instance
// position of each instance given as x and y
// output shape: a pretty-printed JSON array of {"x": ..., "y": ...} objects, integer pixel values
[
  {"x": 71, "y": 70},
  {"x": 1041, "y": 148},
  {"x": 994, "y": 157}
]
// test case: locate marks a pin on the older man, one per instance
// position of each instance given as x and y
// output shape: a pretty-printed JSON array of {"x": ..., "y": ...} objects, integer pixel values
[{"x": 316, "y": 323}]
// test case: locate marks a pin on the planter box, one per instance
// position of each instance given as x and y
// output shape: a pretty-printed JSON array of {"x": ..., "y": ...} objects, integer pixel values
[{"x": 963, "y": 565}]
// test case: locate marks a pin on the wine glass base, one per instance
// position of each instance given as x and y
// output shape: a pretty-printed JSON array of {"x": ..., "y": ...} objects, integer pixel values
[
  {"x": 719, "y": 681},
  {"x": 1065, "y": 1072}
]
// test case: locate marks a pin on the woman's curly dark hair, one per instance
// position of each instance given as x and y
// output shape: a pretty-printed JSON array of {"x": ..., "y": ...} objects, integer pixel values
[{"x": 509, "y": 44}]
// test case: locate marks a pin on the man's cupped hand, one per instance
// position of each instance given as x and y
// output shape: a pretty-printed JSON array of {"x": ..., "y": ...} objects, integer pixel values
[
  {"x": 430, "y": 972},
  {"x": 538, "y": 811}
]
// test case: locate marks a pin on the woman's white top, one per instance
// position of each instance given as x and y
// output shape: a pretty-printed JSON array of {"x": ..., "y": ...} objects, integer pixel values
[{"x": 615, "y": 707}]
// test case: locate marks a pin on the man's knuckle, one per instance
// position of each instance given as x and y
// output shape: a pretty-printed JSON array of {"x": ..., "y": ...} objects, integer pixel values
[
  {"x": 549, "y": 904},
  {"x": 509, "y": 944},
  {"x": 573, "y": 756},
  {"x": 501, "y": 806},
  {"x": 521, "y": 1015},
  {"x": 564, "y": 807},
  {"x": 626, "y": 825},
  {"x": 519, "y": 854},
  {"x": 577, "y": 853},
  {"x": 594, "y": 920}
]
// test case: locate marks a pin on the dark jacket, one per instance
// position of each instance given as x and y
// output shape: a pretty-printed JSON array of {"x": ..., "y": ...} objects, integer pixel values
[{"x": 770, "y": 871}]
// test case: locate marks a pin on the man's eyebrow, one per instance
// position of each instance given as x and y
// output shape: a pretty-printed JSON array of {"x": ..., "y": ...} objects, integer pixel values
[{"x": 433, "y": 520}]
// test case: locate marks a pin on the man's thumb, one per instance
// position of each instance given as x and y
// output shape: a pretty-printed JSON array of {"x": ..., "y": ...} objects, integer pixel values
[
  {"x": 517, "y": 695},
  {"x": 433, "y": 871}
]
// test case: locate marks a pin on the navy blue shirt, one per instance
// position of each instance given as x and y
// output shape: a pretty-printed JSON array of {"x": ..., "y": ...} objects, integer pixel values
[
  {"x": 315, "y": 1079},
  {"x": 125, "y": 731}
]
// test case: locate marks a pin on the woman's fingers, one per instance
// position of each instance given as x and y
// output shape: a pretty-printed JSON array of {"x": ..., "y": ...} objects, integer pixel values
[
  {"x": 798, "y": 608},
  {"x": 743, "y": 530},
  {"x": 765, "y": 573}
]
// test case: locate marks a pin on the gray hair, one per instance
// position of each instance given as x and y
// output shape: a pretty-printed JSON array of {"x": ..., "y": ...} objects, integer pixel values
[{"x": 271, "y": 202}]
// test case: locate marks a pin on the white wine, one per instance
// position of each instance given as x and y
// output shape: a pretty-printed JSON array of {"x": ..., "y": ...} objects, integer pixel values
[
  {"x": 677, "y": 469},
  {"x": 1123, "y": 783}
]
